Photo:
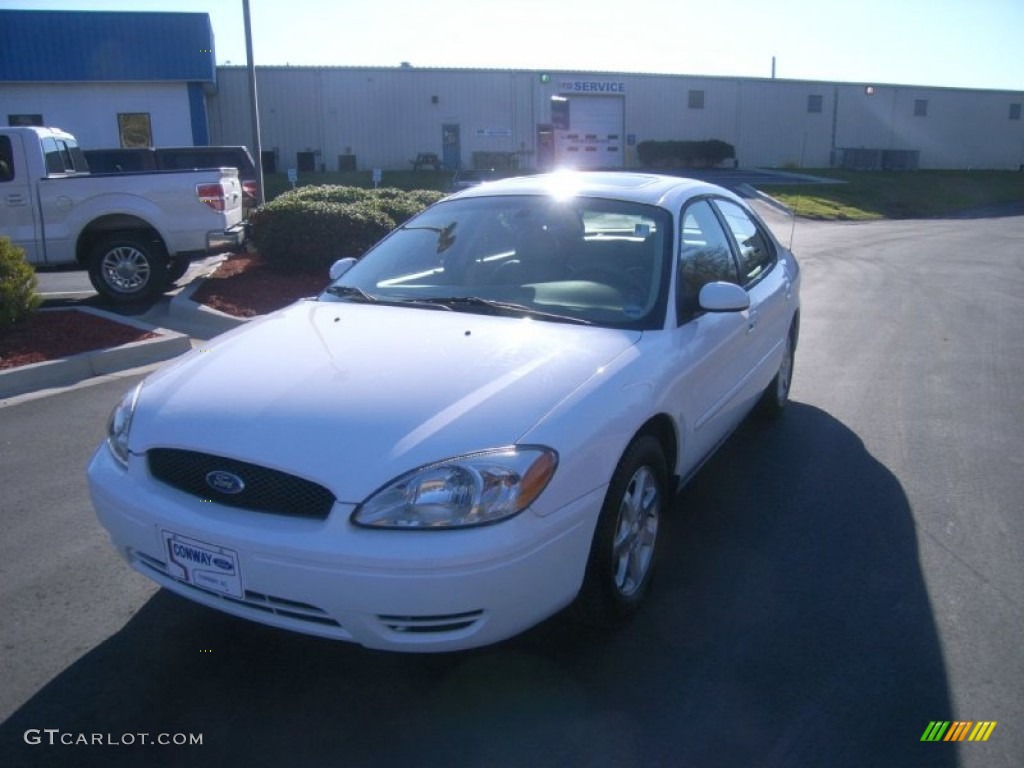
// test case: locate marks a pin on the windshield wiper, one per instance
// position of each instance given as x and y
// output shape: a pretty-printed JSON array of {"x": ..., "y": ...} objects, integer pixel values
[
  {"x": 351, "y": 292},
  {"x": 504, "y": 308}
]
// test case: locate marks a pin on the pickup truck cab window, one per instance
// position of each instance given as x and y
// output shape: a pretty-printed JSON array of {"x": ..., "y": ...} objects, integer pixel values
[{"x": 6, "y": 160}]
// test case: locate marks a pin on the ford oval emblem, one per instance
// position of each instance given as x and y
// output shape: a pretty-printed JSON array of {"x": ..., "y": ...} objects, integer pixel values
[
  {"x": 223, "y": 563},
  {"x": 225, "y": 482}
]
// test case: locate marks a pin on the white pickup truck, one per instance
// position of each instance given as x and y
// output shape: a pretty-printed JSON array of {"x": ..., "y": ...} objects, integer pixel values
[{"x": 134, "y": 232}]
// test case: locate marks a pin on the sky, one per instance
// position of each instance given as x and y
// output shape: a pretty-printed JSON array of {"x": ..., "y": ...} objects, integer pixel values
[{"x": 954, "y": 43}]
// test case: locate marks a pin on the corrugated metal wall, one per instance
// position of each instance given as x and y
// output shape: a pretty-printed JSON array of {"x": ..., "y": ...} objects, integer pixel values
[{"x": 386, "y": 116}]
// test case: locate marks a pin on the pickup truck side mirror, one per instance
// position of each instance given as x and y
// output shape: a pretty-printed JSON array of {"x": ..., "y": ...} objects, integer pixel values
[
  {"x": 723, "y": 297},
  {"x": 340, "y": 267}
]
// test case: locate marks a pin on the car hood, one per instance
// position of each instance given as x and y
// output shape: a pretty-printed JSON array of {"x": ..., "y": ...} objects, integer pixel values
[{"x": 353, "y": 395}]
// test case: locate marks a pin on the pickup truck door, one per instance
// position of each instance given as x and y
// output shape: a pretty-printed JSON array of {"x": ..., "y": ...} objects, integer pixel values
[{"x": 19, "y": 219}]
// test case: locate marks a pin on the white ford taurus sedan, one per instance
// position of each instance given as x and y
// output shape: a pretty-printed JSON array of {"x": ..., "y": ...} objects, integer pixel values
[{"x": 479, "y": 423}]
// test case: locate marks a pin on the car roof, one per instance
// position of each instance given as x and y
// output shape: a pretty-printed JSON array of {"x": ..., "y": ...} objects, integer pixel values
[{"x": 649, "y": 188}]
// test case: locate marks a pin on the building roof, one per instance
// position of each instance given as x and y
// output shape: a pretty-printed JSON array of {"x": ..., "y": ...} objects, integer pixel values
[{"x": 79, "y": 46}]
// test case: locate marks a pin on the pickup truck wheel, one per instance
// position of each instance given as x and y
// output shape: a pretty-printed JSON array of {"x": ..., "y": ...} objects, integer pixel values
[
  {"x": 128, "y": 268},
  {"x": 177, "y": 270}
]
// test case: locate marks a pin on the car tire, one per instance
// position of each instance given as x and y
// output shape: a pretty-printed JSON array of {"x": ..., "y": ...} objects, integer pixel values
[
  {"x": 624, "y": 548},
  {"x": 128, "y": 268},
  {"x": 176, "y": 270},
  {"x": 776, "y": 395}
]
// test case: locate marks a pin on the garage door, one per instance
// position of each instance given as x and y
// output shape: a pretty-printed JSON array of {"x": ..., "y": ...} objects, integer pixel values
[{"x": 593, "y": 138}]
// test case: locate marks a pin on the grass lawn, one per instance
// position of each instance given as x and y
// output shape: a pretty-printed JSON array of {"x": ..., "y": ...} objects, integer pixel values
[{"x": 899, "y": 194}]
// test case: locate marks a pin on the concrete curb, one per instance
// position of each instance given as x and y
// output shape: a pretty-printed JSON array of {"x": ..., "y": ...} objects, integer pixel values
[
  {"x": 76, "y": 368},
  {"x": 755, "y": 194},
  {"x": 182, "y": 307}
]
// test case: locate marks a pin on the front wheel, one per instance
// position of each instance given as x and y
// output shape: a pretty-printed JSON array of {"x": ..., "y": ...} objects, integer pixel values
[
  {"x": 128, "y": 268},
  {"x": 773, "y": 401},
  {"x": 622, "y": 554}
]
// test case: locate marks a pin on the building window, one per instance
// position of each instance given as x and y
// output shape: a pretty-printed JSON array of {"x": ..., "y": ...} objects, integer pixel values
[
  {"x": 1015, "y": 111},
  {"x": 18, "y": 120},
  {"x": 134, "y": 129},
  {"x": 814, "y": 103},
  {"x": 696, "y": 100},
  {"x": 920, "y": 107}
]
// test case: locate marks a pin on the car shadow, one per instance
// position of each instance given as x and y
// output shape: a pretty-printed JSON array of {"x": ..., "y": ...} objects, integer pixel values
[{"x": 789, "y": 625}]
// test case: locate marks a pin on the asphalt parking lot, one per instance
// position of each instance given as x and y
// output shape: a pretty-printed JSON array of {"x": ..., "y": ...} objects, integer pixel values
[{"x": 832, "y": 582}]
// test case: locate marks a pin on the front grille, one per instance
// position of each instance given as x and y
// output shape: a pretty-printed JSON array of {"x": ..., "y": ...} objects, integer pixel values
[{"x": 262, "y": 489}]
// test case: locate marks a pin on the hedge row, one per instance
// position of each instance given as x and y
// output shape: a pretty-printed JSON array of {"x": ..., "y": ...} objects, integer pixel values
[
  {"x": 312, "y": 227},
  {"x": 18, "y": 295},
  {"x": 684, "y": 154}
]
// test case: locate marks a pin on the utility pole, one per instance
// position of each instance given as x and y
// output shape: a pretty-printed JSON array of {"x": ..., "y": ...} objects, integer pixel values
[{"x": 257, "y": 147}]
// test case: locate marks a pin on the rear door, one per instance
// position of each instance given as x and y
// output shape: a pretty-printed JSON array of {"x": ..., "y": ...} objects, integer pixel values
[{"x": 20, "y": 220}]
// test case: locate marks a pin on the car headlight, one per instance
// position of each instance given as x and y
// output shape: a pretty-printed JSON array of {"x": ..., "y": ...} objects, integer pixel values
[
  {"x": 475, "y": 489},
  {"x": 119, "y": 425}
]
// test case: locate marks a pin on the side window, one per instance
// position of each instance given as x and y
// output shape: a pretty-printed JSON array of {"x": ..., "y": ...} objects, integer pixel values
[
  {"x": 54, "y": 161},
  {"x": 755, "y": 250},
  {"x": 6, "y": 159},
  {"x": 705, "y": 256}
]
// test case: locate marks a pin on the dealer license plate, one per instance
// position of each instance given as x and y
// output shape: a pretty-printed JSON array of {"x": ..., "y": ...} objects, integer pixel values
[{"x": 205, "y": 565}]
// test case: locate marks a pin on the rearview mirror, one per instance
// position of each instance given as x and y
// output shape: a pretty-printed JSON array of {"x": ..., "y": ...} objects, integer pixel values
[
  {"x": 723, "y": 297},
  {"x": 340, "y": 267}
]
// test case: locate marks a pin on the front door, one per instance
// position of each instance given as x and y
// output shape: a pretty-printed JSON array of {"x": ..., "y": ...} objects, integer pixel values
[
  {"x": 451, "y": 146},
  {"x": 19, "y": 220}
]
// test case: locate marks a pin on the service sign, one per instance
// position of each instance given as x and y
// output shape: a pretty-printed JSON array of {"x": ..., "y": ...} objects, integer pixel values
[{"x": 592, "y": 86}]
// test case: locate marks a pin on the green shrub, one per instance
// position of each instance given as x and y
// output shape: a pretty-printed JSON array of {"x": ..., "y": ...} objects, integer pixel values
[
  {"x": 312, "y": 227},
  {"x": 684, "y": 154},
  {"x": 18, "y": 295},
  {"x": 329, "y": 193}
]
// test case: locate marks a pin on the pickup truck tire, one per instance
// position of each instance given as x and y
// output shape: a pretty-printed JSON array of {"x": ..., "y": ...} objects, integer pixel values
[
  {"x": 128, "y": 268},
  {"x": 177, "y": 270}
]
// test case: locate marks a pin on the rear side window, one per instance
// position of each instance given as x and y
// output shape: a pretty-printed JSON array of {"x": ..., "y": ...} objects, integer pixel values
[
  {"x": 54, "y": 159},
  {"x": 6, "y": 159},
  {"x": 756, "y": 254}
]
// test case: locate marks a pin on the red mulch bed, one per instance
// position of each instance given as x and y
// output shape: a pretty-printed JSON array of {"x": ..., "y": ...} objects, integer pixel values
[
  {"x": 245, "y": 286},
  {"x": 242, "y": 286},
  {"x": 53, "y": 335}
]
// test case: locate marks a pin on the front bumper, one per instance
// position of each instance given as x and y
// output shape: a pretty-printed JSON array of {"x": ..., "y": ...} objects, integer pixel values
[
  {"x": 393, "y": 590},
  {"x": 232, "y": 239}
]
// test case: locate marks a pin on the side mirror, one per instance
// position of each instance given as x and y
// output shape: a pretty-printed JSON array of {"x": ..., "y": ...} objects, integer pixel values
[
  {"x": 723, "y": 297},
  {"x": 340, "y": 267}
]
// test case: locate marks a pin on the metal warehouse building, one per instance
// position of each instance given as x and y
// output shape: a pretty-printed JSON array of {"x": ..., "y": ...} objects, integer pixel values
[
  {"x": 126, "y": 79},
  {"x": 330, "y": 117}
]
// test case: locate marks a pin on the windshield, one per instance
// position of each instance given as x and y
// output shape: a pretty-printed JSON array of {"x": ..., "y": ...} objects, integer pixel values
[{"x": 593, "y": 261}]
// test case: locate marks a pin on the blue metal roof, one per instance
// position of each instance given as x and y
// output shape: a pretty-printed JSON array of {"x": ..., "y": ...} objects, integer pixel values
[{"x": 77, "y": 46}]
